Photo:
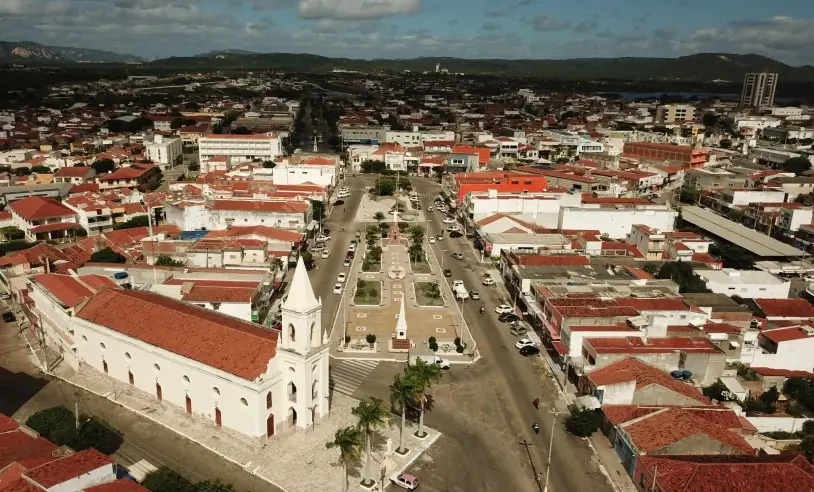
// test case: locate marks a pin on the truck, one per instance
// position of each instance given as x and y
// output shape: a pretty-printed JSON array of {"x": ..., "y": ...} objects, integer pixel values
[
  {"x": 427, "y": 356},
  {"x": 460, "y": 291}
]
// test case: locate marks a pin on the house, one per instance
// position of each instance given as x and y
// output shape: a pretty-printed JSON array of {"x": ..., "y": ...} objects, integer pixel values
[
  {"x": 785, "y": 309},
  {"x": 74, "y": 175},
  {"x": 788, "y": 348},
  {"x": 319, "y": 170},
  {"x": 237, "y": 298},
  {"x": 134, "y": 176},
  {"x": 746, "y": 284},
  {"x": 290, "y": 215},
  {"x": 633, "y": 382},
  {"x": 724, "y": 473},
  {"x": 44, "y": 219}
]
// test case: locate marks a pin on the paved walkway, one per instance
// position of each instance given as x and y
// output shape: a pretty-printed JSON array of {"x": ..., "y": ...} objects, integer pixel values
[{"x": 294, "y": 462}]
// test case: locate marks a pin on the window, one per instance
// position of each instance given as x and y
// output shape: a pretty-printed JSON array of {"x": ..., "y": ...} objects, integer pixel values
[
  {"x": 244, "y": 402},
  {"x": 291, "y": 332},
  {"x": 268, "y": 399},
  {"x": 127, "y": 355},
  {"x": 84, "y": 338},
  {"x": 102, "y": 346},
  {"x": 216, "y": 390},
  {"x": 186, "y": 379},
  {"x": 156, "y": 367}
]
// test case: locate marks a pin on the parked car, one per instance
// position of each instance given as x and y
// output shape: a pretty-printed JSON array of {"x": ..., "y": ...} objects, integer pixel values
[
  {"x": 503, "y": 309},
  {"x": 326, "y": 254},
  {"x": 404, "y": 480},
  {"x": 429, "y": 209},
  {"x": 508, "y": 318},
  {"x": 457, "y": 256},
  {"x": 440, "y": 236},
  {"x": 524, "y": 342},
  {"x": 338, "y": 289},
  {"x": 317, "y": 248},
  {"x": 323, "y": 238},
  {"x": 488, "y": 281},
  {"x": 529, "y": 350},
  {"x": 474, "y": 295},
  {"x": 432, "y": 240},
  {"x": 358, "y": 234},
  {"x": 350, "y": 254},
  {"x": 5, "y": 295},
  {"x": 8, "y": 317},
  {"x": 448, "y": 220},
  {"x": 447, "y": 272},
  {"x": 347, "y": 263},
  {"x": 339, "y": 202},
  {"x": 341, "y": 277},
  {"x": 455, "y": 233}
]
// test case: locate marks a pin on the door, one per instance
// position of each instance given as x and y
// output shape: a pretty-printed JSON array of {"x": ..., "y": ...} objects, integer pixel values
[
  {"x": 104, "y": 366},
  {"x": 189, "y": 405},
  {"x": 130, "y": 377},
  {"x": 270, "y": 426},
  {"x": 217, "y": 417},
  {"x": 158, "y": 392}
]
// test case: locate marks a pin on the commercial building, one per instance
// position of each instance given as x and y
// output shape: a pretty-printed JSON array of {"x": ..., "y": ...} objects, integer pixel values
[
  {"x": 671, "y": 113},
  {"x": 265, "y": 147},
  {"x": 689, "y": 157},
  {"x": 321, "y": 171},
  {"x": 166, "y": 152},
  {"x": 758, "y": 90},
  {"x": 747, "y": 284}
]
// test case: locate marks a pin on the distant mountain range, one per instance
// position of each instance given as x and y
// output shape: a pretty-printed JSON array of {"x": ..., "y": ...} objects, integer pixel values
[
  {"x": 22, "y": 51},
  {"x": 702, "y": 67}
]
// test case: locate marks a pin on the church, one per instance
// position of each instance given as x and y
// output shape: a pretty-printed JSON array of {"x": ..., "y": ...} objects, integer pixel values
[{"x": 233, "y": 373}]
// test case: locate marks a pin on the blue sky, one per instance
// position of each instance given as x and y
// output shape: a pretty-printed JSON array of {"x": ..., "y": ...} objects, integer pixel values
[{"x": 783, "y": 29}]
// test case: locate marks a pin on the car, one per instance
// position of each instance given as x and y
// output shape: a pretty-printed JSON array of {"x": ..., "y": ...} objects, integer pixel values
[
  {"x": 326, "y": 254},
  {"x": 456, "y": 283},
  {"x": 508, "y": 318},
  {"x": 447, "y": 272},
  {"x": 350, "y": 254},
  {"x": 338, "y": 289},
  {"x": 8, "y": 317},
  {"x": 474, "y": 295},
  {"x": 488, "y": 281},
  {"x": 341, "y": 277},
  {"x": 524, "y": 342},
  {"x": 404, "y": 480},
  {"x": 455, "y": 233},
  {"x": 358, "y": 234},
  {"x": 448, "y": 220},
  {"x": 440, "y": 237},
  {"x": 352, "y": 247},
  {"x": 339, "y": 202},
  {"x": 322, "y": 238},
  {"x": 453, "y": 228},
  {"x": 457, "y": 256},
  {"x": 429, "y": 209},
  {"x": 317, "y": 248},
  {"x": 503, "y": 309},
  {"x": 347, "y": 263},
  {"x": 432, "y": 240},
  {"x": 530, "y": 350},
  {"x": 326, "y": 231},
  {"x": 5, "y": 296}
]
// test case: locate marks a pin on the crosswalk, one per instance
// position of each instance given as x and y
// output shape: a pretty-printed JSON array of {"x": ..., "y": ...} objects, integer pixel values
[
  {"x": 365, "y": 189},
  {"x": 348, "y": 375}
]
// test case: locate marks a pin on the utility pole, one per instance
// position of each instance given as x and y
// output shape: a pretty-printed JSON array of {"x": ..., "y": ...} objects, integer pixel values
[
  {"x": 76, "y": 414},
  {"x": 550, "y": 449},
  {"x": 527, "y": 445}
]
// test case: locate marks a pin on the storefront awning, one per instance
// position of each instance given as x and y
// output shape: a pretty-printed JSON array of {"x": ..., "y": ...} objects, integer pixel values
[
  {"x": 553, "y": 332},
  {"x": 560, "y": 347}
]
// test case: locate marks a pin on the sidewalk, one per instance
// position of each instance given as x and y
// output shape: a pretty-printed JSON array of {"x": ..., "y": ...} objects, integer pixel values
[{"x": 295, "y": 462}]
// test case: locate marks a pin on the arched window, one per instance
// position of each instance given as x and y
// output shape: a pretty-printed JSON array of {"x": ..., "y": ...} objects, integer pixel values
[
  {"x": 127, "y": 355},
  {"x": 186, "y": 379},
  {"x": 244, "y": 402},
  {"x": 216, "y": 390},
  {"x": 291, "y": 331},
  {"x": 84, "y": 338},
  {"x": 268, "y": 399},
  {"x": 102, "y": 346},
  {"x": 311, "y": 334},
  {"x": 157, "y": 367}
]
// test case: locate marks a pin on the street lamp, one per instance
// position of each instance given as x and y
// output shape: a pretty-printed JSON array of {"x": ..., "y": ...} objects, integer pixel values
[
  {"x": 443, "y": 256},
  {"x": 550, "y": 448}
]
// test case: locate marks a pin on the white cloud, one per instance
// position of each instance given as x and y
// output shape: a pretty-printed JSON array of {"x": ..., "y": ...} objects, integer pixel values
[
  {"x": 356, "y": 9},
  {"x": 544, "y": 22}
]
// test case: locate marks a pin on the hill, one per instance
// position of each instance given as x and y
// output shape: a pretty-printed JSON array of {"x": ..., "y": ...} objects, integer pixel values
[{"x": 28, "y": 51}]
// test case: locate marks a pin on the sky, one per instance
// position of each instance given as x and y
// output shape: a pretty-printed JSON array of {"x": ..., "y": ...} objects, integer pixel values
[{"x": 781, "y": 29}]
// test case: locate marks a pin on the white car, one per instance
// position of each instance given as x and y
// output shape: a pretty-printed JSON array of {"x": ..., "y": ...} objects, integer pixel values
[
  {"x": 429, "y": 209},
  {"x": 341, "y": 278},
  {"x": 488, "y": 281},
  {"x": 432, "y": 240},
  {"x": 351, "y": 247},
  {"x": 504, "y": 309},
  {"x": 322, "y": 238},
  {"x": 338, "y": 289},
  {"x": 448, "y": 220},
  {"x": 347, "y": 262},
  {"x": 404, "y": 480},
  {"x": 326, "y": 254},
  {"x": 524, "y": 342}
]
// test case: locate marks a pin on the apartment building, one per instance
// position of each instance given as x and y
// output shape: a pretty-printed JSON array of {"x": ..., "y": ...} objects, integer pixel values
[
  {"x": 758, "y": 90},
  {"x": 130, "y": 177},
  {"x": 166, "y": 152},
  {"x": 673, "y": 113},
  {"x": 266, "y": 147},
  {"x": 302, "y": 169},
  {"x": 688, "y": 157}
]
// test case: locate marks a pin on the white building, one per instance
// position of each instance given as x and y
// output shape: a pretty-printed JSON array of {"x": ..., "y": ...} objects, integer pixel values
[
  {"x": 788, "y": 348},
  {"x": 747, "y": 284},
  {"x": 166, "y": 152},
  {"x": 757, "y": 122},
  {"x": 617, "y": 221},
  {"x": 43, "y": 218},
  {"x": 542, "y": 209},
  {"x": 239, "y": 148},
  {"x": 320, "y": 171},
  {"x": 216, "y": 367},
  {"x": 292, "y": 215},
  {"x": 359, "y": 153},
  {"x": 416, "y": 138}
]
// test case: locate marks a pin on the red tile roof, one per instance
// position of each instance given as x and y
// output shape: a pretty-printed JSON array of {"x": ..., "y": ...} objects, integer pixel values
[
  {"x": 17, "y": 446},
  {"x": 202, "y": 293},
  {"x": 58, "y": 226},
  {"x": 70, "y": 290},
  {"x": 71, "y": 466},
  {"x": 258, "y": 206},
  {"x": 271, "y": 233},
  {"x": 788, "y": 308},
  {"x": 731, "y": 473},
  {"x": 73, "y": 172},
  {"x": 720, "y": 415},
  {"x": 632, "y": 369},
  {"x": 38, "y": 208},
  {"x": 788, "y": 373},
  {"x": 634, "y": 345},
  {"x": 549, "y": 260},
  {"x": 669, "y": 426},
  {"x": 654, "y": 304},
  {"x": 785, "y": 334},
  {"x": 187, "y": 330},
  {"x": 123, "y": 485}
]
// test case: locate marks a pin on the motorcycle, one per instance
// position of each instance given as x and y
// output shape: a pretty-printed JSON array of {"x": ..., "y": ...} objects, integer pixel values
[
  {"x": 536, "y": 403},
  {"x": 482, "y": 310},
  {"x": 536, "y": 427}
]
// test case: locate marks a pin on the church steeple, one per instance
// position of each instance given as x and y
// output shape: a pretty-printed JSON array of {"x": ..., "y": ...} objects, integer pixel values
[
  {"x": 301, "y": 296},
  {"x": 302, "y": 315}
]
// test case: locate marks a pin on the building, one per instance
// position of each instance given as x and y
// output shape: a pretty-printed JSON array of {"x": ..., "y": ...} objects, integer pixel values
[
  {"x": 166, "y": 152},
  {"x": 758, "y": 90},
  {"x": 672, "y": 113},
  {"x": 9, "y": 194},
  {"x": 43, "y": 219},
  {"x": 746, "y": 284},
  {"x": 257, "y": 384},
  {"x": 74, "y": 175},
  {"x": 321, "y": 171},
  {"x": 616, "y": 216},
  {"x": 787, "y": 348},
  {"x": 688, "y": 157},
  {"x": 460, "y": 185},
  {"x": 133, "y": 176},
  {"x": 265, "y": 147}
]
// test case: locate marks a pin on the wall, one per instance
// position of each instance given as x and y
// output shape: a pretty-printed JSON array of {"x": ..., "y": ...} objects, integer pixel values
[
  {"x": 665, "y": 361},
  {"x": 616, "y": 223},
  {"x": 55, "y": 323},
  {"x": 785, "y": 424},
  {"x": 618, "y": 394},
  {"x": 659, "y": 395},
  {"x": 103, "y": 474},
  {"x": 794, "y": 355},
  {"x": 296, "y": 175},
  {"x": 290, "y": 221},
  {"x": 751, "y": 291},
  {"x": 247, "y": 419}
]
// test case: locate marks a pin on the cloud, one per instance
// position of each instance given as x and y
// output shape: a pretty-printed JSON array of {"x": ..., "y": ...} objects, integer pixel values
[
  {"x": 338, "y": 26},
  {"x": 584, "y": 27},
  {"x": 490, "y": 26},
  {"x": 496, "y": 13},
  {"x": 356, "y": 9},
  {"x": 544, "y": 22}
]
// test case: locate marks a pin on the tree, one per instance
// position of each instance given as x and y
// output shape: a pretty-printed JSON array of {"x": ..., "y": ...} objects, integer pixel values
[
  {"x": 416, "y": 233},
  {"x": 582, "y": 422},
  {"x": 166, "y": 260},
  {"x": 371, "y": 415},
  {"x": 180, "y": 122},
  {"x": 41, "y": 169},
  {"x": 194, "y": 167},
  {"x": 416, "y": 252},
  {"x": 349, "y": 443},
  {"x": 796, "y": 165},
  {"x": 725, "y": 143},
  {"x": 385, "y": 186},
  {"x": 269, "y": 164},
  {"x": 681, "y": 273},
  {"x": 422, "y": 377},
  {"x": 379, "y": 216},
  {"x": 166, "y": 480},
  {"x": 12, "y": 233},
  {"x": 107, "y": 255},
  {"x": 374, "y": 167},
  {"x": 103, "y": 166},
  {"x": 709, "y": 120},
  {"x": 718, "y": 391},
  {"x": 769, "y": 399},
  {"x": 241, "y": 130},
  {"x": 402, "y": 394},
  {"x": 733, "y": 256},
  {"x": 307, "y": 257},
  {"x": 22, "y": 171},
  {"x": 690, "y": 196},
  {"x": 137, "y": 221}
]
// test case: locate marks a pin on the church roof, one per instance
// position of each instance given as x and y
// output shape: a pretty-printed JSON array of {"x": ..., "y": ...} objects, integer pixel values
[{"x": 301, "y": 297}]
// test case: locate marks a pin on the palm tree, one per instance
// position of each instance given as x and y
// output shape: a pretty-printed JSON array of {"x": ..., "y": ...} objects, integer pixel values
[
  {"x": 371, "y": 415},
  {"x": 349, "y": 443},
  {"x": 379, "y": 216},
  {"x": 422, "y": 377},
  {"x": 402, "y": 394},
  {"x": 276, "y": 264}
]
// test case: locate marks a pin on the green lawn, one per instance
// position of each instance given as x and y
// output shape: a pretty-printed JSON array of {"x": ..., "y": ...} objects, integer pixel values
[
  {"x": 420, "y": 267},
  {"x": 368, "y": 292},
  {"x": 428, "y": 294},
  {"x": 371, "y": 266}
]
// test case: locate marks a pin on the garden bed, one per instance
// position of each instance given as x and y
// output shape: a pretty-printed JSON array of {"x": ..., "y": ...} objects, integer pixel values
[
  {"x": 368, "y": 293},
  {"x": 420, "y": 267},
  {"x": 428, "y": 294}
]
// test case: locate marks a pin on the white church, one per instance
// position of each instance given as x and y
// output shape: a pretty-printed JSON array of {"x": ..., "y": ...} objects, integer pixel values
[{"x": 233, "y": 373}]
